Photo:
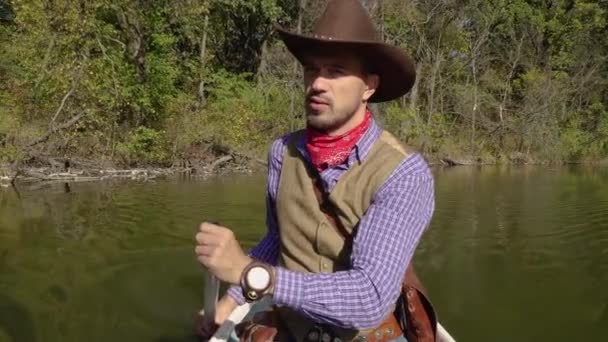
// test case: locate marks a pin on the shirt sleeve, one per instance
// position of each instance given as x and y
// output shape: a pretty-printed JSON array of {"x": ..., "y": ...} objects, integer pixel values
[
  {"x": 387, "y": 237},
  {"x": 267, "y": 249}
]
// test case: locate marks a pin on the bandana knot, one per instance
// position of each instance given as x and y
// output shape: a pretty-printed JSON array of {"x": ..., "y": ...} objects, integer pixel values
[{"x": 328, "y": 151}]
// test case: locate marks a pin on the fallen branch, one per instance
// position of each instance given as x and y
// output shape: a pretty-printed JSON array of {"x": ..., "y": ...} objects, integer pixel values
[
  {"x": 223, "y": 149},
  {"x": 218, "y": 162},
  {"x": 449, "y": 161}
]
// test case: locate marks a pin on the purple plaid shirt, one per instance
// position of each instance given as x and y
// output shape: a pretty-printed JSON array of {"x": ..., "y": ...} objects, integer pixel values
[{"x": 388, "y": 234}]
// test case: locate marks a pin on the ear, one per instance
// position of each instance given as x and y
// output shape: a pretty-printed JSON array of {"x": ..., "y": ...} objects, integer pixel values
[{"x": 373, "y": 81}]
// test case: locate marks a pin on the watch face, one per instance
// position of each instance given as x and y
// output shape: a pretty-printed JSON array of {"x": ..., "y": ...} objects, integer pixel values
[{"x": 258, "y": 278}]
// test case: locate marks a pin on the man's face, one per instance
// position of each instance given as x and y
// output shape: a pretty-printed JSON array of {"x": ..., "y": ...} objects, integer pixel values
[{"x": 336, "y": 88}]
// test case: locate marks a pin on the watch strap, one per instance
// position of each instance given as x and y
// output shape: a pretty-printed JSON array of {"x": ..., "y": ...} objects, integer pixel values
[{"x": 251, "y": 294}]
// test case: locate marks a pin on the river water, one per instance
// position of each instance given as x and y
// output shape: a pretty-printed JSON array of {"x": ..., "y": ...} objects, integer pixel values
[{"x": 512, "y": 254}]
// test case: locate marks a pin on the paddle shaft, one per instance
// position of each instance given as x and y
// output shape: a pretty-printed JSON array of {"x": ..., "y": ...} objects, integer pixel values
[{"x": 212, "y": 290}]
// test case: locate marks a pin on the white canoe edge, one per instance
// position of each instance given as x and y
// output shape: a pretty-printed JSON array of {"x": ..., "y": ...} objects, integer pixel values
[
  {"x": 225, "y": 330},
  {"x": 443, "y": 335},
  {"x": 223, "y": 333}
]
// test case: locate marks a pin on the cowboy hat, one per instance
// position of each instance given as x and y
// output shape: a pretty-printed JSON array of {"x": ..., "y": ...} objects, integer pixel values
[{"x": 346, "y": 24}]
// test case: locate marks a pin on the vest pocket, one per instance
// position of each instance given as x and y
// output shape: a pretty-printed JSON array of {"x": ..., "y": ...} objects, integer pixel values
[{"x": 331, "y": 248}]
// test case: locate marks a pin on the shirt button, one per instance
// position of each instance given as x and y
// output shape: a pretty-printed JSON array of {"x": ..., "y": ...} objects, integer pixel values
[{"x": 325, "y": 265}]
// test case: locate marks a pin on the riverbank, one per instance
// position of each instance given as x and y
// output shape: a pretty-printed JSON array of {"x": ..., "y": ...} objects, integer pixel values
[
  {"x": 79, "y": 170},
  {"x": 67, "y": 170}
]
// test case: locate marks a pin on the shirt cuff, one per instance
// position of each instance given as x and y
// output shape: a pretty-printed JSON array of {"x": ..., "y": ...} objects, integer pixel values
[
  {"x": 289, "y": 288},
  {"x": 237, "y": 294}
]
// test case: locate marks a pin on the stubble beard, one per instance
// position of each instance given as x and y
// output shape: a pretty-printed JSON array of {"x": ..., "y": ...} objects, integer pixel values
[{"x": 327, "y": 120}]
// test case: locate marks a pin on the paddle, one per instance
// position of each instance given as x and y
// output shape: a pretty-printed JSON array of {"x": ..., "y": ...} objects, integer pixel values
[{"x": 212, "y": 289}]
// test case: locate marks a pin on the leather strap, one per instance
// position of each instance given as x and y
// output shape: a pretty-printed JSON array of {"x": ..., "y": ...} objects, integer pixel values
[
  {"x": 387, "y": 331},
  {"x": 415, "y": 312},
  {"x": 263, "y": 327},
  {"x": 420, "y": 316},
  {"x": 327, "y": 206}
]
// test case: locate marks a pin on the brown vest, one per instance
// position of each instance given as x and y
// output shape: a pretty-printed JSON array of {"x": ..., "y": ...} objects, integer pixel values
[{"x": 309, "y": 243}]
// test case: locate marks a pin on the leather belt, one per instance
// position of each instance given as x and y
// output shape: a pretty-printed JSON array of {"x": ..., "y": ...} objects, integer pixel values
[{"x": 387, "y": 331}]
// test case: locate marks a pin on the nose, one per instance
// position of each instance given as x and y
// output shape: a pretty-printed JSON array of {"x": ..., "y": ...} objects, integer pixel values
[{"x": 318, "y": 82}]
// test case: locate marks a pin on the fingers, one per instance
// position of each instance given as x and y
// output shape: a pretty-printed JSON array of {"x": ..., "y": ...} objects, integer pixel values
[
  {"x": 203, "y": 260},
  {"x": 214, "y": 229},
  {"x": 204, "y": 250},
  {"x": 212, "y": 234},
  {"x": 210, "y": 227},
  {"x": 207, "y": 239}
]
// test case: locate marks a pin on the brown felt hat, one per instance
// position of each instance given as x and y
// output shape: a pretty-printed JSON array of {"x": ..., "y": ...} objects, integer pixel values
[{"x": 346, "y": 24}]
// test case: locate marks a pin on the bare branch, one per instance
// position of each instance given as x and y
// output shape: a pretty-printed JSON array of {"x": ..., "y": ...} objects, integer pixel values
[
  {"x": 56, "y": 129},
  {"x": 123, "y": 45},
  {"x": 65, "y": 98},
  {"x": 103, "y": 50}
]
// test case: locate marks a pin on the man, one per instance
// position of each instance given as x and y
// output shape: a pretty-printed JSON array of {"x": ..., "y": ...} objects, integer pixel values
[{"x": 346, "y": 203}]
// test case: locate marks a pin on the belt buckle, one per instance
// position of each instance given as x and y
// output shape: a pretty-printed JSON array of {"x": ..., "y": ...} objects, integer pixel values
[
  {"x": 320, "y": 334},
  {"x": 314, "y": 334}
]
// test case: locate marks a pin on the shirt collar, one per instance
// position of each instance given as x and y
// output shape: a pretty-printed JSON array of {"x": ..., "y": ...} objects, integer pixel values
[{"x": 360, "y": 150}]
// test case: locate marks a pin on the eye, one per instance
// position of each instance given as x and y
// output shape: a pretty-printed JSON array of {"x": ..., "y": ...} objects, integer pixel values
[
  {"x": 308, "y": 69},
  {"x": 336, "y": 70}
]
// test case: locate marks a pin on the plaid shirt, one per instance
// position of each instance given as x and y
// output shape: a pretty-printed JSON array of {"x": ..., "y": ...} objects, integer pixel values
[{"x": 387, "y": 237}]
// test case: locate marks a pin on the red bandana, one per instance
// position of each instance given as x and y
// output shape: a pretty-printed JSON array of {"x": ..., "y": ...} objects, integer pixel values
[{"x": 327, "y": 151}]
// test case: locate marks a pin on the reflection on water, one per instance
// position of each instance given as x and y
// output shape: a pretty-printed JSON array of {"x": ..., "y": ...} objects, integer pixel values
[
  {"x": 15, "y": 322},
  {"x": 522, "y": 254},
  {"x": 513, "y": 254}
]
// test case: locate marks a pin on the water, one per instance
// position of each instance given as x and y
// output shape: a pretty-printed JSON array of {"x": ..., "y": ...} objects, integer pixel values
[{"x": 513, "y": 254}]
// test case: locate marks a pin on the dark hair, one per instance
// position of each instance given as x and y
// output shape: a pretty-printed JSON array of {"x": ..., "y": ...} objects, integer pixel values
[{"x": 368, "y": 67}]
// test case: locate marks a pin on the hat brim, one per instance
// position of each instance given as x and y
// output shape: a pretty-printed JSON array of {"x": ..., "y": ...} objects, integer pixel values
[{"x": 395, "y": 68}]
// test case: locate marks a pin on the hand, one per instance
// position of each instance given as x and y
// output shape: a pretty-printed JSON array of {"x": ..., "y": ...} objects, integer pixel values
[
  {"x": 205, "y": 325},
  {"x": 218, "y": 250}
]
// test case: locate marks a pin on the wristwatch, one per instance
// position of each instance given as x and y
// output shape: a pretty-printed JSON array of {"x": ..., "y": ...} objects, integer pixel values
[{"x": 256, "y": 280}]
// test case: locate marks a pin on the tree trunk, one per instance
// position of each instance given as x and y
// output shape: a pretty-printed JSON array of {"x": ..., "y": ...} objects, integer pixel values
[
  {"x": 414, "y": 91},
  {"x": 203, "y": 53},
  {"x": 135, "y": 46},
  {"x": 474, "y": 112},
  {"x": 263, "y": 62},
  {"x": 292, "y": 105},
  {"x": 433, "y": 84}
]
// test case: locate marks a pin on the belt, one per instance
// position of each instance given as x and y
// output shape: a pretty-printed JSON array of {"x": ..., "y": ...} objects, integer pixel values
[{"x": 388, "y": 330}]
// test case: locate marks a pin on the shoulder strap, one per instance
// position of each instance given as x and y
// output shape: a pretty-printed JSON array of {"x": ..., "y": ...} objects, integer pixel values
[
  {"x": 414, "y": 310},
  {"x": 325, "y": 204}
]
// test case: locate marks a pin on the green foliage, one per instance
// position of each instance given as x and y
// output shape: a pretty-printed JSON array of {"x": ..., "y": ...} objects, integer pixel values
[
  {"x": 242, "y": 26},
  {"x": 10, "y": 153},
  {"x": 144, "y": 145},
  {"x": 590, "y": 130},
  {"x": 241, "y": 114},
  {"x": 496, "y": 78}
]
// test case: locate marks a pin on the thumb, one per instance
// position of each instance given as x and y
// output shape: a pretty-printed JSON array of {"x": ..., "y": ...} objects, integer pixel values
[{"x": 221, "y": 314}]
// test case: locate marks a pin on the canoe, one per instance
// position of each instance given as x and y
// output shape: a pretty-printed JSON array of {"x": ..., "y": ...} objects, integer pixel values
[{"x": 225, "y": 332}]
